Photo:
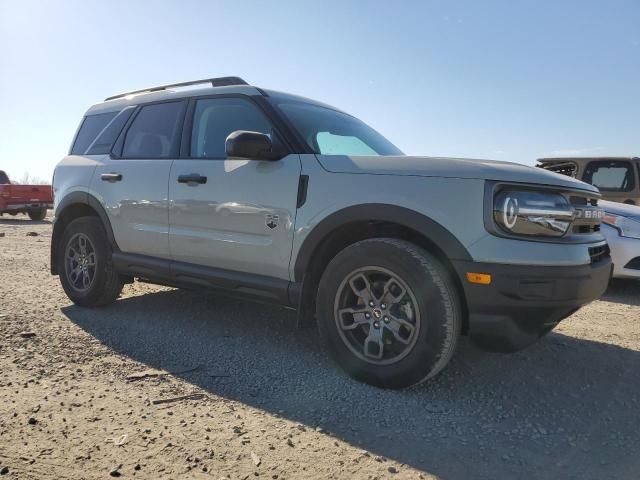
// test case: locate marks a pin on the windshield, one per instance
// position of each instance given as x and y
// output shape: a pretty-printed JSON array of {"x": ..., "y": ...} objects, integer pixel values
[{"x": 329, "y": 132}]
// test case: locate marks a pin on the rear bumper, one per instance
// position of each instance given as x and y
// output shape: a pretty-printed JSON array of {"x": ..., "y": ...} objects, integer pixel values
[
  {"x": 23, "y": 207},
  {"x": 524, "y": 302}
]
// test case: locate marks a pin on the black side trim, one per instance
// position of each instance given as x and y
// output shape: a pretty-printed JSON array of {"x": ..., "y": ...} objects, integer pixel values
[
  {"x": 303, "y": 185},
  {"x": 181, "y": 274},
  {"x": 377, "y": 212}
]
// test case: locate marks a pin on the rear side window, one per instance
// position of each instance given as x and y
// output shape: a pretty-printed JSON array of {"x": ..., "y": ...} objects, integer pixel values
[
  {"x": 611, "y": 176},
  {"x": 91, "y": 126},
  {"x": 107, "y": 138},
  {"x": 154, "y": 132},
  {"x": 215, "y": 119}
]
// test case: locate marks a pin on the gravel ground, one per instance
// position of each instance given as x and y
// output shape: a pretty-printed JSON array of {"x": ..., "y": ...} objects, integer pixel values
[{"x": 92, "y": 393}]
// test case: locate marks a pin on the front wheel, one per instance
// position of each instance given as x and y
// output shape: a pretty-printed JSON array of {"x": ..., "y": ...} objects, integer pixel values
[
  {"x": 389, "y": 312},
  {"x": 37, "y": 213},
  {"x": 85, "y": 267}
]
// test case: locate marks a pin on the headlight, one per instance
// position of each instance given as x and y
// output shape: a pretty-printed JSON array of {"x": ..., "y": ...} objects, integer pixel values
[
  {"x": 625, "y": 225},
  {"x": 531, "y": 213}
]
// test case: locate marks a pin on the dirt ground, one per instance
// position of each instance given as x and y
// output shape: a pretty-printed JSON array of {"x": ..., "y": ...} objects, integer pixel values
[{"x": 95, "y": 393}]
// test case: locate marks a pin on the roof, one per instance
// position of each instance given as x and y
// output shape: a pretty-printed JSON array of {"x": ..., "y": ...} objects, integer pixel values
[{"x": 174, "y": 91}]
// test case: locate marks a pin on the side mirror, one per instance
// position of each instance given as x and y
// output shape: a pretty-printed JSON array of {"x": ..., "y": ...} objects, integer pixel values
[{"x": 252, "y": 145}]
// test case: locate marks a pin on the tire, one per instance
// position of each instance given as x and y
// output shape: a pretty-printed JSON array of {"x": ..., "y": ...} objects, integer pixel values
[
  {"x": 105, "y": 284},
  {"x": 422, "y": 336},
  {"x": 37, "y": 213}
]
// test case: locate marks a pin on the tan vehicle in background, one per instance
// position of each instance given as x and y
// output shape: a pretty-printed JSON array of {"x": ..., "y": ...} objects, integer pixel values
[{"x": 618, "y": 178}]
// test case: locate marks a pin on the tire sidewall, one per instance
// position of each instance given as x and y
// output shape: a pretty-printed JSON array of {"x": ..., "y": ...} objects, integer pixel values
[
  {"x": 37, "y": 214},
  {"x": 93, "y": 229},
  {"x": 436, "y": 301}
]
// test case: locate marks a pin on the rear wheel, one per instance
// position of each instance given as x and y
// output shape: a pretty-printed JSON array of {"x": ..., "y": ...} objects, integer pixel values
[
  {"x": 85, "y": 267},
  {"x": 388, "y": 312},
  {"x": 37, "y": 213}
]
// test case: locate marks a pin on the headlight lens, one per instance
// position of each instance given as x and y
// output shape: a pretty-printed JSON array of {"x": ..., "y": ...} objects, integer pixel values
[
  {"x": 625, "y": 225},
  {"x": 532, "y": 213}
]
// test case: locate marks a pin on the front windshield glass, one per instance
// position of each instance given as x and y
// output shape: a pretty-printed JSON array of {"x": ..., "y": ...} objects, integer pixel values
[{"x": 329, "y": 132}]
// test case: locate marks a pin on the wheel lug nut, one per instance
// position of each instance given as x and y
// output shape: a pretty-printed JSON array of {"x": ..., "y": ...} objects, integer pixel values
[
  {"x": 383, "y": 306},
  {"x": 367, "y": 315},
  {"x": 371, "y": 304},
  {"x": 386, "y": 319},
  {"x": 376, "y": 325}
]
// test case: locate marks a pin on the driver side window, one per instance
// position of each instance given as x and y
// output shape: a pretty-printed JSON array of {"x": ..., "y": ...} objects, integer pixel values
[{"x": 215, "y": 118}]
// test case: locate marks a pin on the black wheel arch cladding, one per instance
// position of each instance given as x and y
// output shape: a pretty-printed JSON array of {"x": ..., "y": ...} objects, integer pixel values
[
  {"x": 430, "y": 229},
  {"x": 74, "y": 205}
]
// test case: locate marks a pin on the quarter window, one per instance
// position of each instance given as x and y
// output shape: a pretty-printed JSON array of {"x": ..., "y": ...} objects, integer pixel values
[
  {"x": 154, "y": 132},
  {"x": 91, "y": 126},
  {"x": 610, "y": 176},
  {"x": 110, "y": 133},
  {"x": 215, "y": 118}
]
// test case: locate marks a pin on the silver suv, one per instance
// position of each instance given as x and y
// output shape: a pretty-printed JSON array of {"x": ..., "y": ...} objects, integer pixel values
[{"x": 280, "y": 198}]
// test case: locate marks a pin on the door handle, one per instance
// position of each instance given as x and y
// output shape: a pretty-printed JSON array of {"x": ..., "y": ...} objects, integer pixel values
[
  {"x": 192, "y": 178},
  {"x": 111, "y": 177}
]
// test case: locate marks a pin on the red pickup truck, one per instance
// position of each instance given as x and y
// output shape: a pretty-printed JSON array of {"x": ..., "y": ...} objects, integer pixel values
[{"x": 33, "y": 200}]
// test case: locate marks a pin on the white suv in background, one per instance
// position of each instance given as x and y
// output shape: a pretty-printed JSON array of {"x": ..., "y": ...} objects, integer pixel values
[{"x": 621, "y": 228}]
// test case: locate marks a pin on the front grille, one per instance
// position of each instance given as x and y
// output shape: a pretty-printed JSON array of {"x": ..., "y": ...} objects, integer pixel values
[
  {"x": 584, "y": 225},
  {"x": 585, "y": 228},
  {"x": 598, "y": 253},
  {"x": 634, "y": 264}
]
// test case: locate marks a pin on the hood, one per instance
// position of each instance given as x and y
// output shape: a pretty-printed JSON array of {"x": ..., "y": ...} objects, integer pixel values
[
  {"x": 623, "y": 209},
  {"x": 449, "y": 167}
]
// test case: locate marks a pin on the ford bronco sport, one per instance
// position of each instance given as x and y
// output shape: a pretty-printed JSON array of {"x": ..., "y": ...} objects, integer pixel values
[{"x": 281, "y": 198}]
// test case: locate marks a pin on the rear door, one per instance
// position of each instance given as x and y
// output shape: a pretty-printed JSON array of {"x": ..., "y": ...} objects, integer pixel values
[
  {"x": 234, "y": 214},
  {"x": 131, "y": 181}
]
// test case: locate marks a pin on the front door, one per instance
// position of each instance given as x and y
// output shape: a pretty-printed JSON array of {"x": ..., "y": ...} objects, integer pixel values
[{"x": 229, "y": 213}]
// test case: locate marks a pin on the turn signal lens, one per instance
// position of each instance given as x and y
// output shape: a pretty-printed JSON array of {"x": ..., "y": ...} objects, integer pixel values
[{"x": 479, "y": 278}]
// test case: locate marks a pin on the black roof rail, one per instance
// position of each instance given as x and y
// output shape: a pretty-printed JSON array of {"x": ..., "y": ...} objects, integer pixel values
[{"x": 215, "y": 82}]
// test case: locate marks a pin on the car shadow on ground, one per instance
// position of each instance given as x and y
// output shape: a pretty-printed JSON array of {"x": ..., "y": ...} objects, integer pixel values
[
  {"x": 565, "y": 407},
  {"x": 623, "y": 291}
]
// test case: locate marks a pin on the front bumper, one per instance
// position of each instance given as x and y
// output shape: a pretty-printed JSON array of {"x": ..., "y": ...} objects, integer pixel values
[
  {"x": 625, "y": 253},
  {"x": 524, "y": 302}
]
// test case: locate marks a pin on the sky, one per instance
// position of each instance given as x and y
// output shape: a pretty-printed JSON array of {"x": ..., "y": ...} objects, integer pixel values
[{"x": 483, "y": 79}]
